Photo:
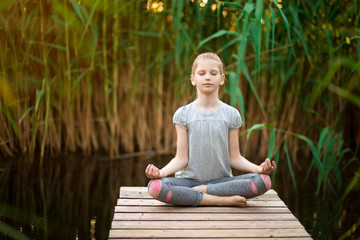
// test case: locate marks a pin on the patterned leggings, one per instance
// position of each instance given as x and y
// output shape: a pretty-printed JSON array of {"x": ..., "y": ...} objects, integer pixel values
[{"x": 179, "y": 191}]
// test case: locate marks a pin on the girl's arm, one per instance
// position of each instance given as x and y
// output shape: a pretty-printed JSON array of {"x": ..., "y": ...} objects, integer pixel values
[
  {"x": 180, "y": 160},
  {"x": 239, "y": 162}
]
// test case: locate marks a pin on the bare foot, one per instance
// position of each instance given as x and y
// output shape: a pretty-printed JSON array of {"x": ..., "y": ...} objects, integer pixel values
[{"x": 235, "y": 201}]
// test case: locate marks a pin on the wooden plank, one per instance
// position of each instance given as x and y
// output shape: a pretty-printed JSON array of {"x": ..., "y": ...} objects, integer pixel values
[
  {"x": 134, "y": 192},
  {"x": 204, "y": 217},
  {"x": 138, "y": 216},
  {"x": 143, "y": 190},
  {"x": 201, "y": 210},
  {"x": 224, "y": 238},
  {"x": 141, "y": 193},
  {"x": 208, "y": 233},
  {"x": 205, "y": 224},
  {"x": 242, "y": 238},
  {"x": 154, "y": 202}
]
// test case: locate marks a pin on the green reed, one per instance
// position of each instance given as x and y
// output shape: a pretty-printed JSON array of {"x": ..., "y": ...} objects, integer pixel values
[
  {"x": 330, "y": 189},
  {"x": 332, "y": 162}
]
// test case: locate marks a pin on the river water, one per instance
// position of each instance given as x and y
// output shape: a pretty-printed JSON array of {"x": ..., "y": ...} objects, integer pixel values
[{"x": 74, "y": 197}]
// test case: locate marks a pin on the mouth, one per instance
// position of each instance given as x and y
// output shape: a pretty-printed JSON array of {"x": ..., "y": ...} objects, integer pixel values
[{"x": 207, "y": 84}]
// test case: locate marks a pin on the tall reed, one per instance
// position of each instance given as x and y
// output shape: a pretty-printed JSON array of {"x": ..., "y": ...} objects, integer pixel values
[{"x": 145, "y": 57}]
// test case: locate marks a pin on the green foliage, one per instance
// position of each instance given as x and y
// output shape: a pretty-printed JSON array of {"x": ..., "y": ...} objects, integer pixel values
[
  {"x": 332, "y": 164},
  {"x": 11, "y": 232},
  {"x": 16, "y": 216},
  {"x": 331, "y": 160}
]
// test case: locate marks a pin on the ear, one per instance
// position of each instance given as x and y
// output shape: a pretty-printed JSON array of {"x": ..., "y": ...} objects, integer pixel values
[
  {"x": 222, "y": 79},
  {"x": 192, "y": 80}
]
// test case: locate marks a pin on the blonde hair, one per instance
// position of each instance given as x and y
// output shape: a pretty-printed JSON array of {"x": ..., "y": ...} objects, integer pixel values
[{"x": 207, "y": 55}]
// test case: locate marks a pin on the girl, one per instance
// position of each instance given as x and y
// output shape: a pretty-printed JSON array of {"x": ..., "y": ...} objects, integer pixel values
[{"x": 207, "y": 148}]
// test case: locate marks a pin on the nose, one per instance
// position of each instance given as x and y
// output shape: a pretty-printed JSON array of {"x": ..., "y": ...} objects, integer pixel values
[{"x": 207, "y": 77}]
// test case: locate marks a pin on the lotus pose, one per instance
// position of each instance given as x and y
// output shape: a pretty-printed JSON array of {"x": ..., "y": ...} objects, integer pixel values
[{"x": 207, "y": 149}]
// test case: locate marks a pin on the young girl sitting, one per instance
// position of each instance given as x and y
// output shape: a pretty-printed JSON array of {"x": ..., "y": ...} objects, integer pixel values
[{"x": 207, "y": 149}]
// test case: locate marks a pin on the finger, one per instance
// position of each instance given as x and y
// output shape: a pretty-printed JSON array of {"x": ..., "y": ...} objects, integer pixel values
[
  {"x": 274, "y": 165},
  {"x": 268, "y": 162},
  {"x": 151, "y": 170},
  {"x": 150, "y": 166},
  {"x": 147, "y": 170},
  {"x": 267, "y": 165},
  {"x": 155, "y": 171},
  {"x": 262, "y": 167}
]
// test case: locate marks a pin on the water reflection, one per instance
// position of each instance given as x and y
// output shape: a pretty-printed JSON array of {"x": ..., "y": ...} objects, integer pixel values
[{"x": 70, "y": 198}]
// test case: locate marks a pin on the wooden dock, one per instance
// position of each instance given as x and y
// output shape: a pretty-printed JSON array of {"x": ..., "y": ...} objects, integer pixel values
[{"x": 138, "y": 216}]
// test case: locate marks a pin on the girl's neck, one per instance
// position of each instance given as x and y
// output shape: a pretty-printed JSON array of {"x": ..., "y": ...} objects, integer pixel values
[{"x": 208, "y": 103}]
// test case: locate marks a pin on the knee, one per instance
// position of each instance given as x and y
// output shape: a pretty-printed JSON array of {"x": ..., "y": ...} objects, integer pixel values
[
  {"x": 154, "y": 187},
  {"x": 256, "y": 185},
  {"x": 267, "y": 181}
]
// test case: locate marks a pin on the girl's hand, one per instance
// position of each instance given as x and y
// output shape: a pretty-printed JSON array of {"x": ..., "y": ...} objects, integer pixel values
[
  {"x": 152, "y": 172},
  {"x": 267, "y": 167}
]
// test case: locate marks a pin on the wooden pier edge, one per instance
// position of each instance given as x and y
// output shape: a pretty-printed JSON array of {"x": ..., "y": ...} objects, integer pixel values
[{"x": 138, "y": 216}]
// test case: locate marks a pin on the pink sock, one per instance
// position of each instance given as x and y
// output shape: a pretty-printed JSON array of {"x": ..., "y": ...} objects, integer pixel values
[
  {"x": 155, "y": 186},
  {"x": 266, "y": 180}
]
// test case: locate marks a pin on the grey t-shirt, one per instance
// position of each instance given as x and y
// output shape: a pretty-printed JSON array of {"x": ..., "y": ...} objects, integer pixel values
[{"x": 208, "y": 140}]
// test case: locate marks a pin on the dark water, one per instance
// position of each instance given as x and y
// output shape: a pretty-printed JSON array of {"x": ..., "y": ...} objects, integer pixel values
[
  {"x": 67, "y": 198},
  {"x": 74, "y": 197}
]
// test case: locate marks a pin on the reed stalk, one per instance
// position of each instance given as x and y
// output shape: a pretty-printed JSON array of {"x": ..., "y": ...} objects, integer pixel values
[{"x": 125, "y": 49}]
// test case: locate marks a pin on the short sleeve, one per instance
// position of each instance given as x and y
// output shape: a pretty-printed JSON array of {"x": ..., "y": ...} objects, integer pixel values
[
  {"x": 235, "y": 120},
  {"x": 180, "y": 117}
]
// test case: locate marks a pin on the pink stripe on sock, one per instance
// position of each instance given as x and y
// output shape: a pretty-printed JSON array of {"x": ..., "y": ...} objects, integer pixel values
[
  {"x": 266, "y": 180},
  {"x": 253, "y": 188},
  {"x": 168, "y": 196}
]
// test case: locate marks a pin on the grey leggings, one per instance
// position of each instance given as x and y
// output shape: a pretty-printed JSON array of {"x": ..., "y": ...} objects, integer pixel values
[{"x": 179, "y": 191}]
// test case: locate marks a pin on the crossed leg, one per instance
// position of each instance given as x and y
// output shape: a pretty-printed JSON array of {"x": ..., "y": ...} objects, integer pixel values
[{"x": 232, "y": 191}]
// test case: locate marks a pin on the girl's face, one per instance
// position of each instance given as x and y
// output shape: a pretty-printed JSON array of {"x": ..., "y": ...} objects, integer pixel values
[{"x": 207, "y": 76}]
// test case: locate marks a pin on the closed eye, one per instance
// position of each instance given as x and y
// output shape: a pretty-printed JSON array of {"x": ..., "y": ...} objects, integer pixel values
[{"x": 214, "y": 73}]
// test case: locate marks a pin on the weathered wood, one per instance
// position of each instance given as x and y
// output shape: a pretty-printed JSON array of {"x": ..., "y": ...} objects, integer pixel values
[
  {"x": 214, "y": 233},
  {"x": 203, "y": 217},
  {"x": 154, "y": 202},
  {"x": 141, "y": 193},
  {"x": 170, "y": 224},
  {"x": 230, "y": 238},
  {"x": 245, "y": 238},
  {"x": 201, "y": 210},
  {"x": 224, "y": 238},
  {"x": 138, "y": 216}
]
